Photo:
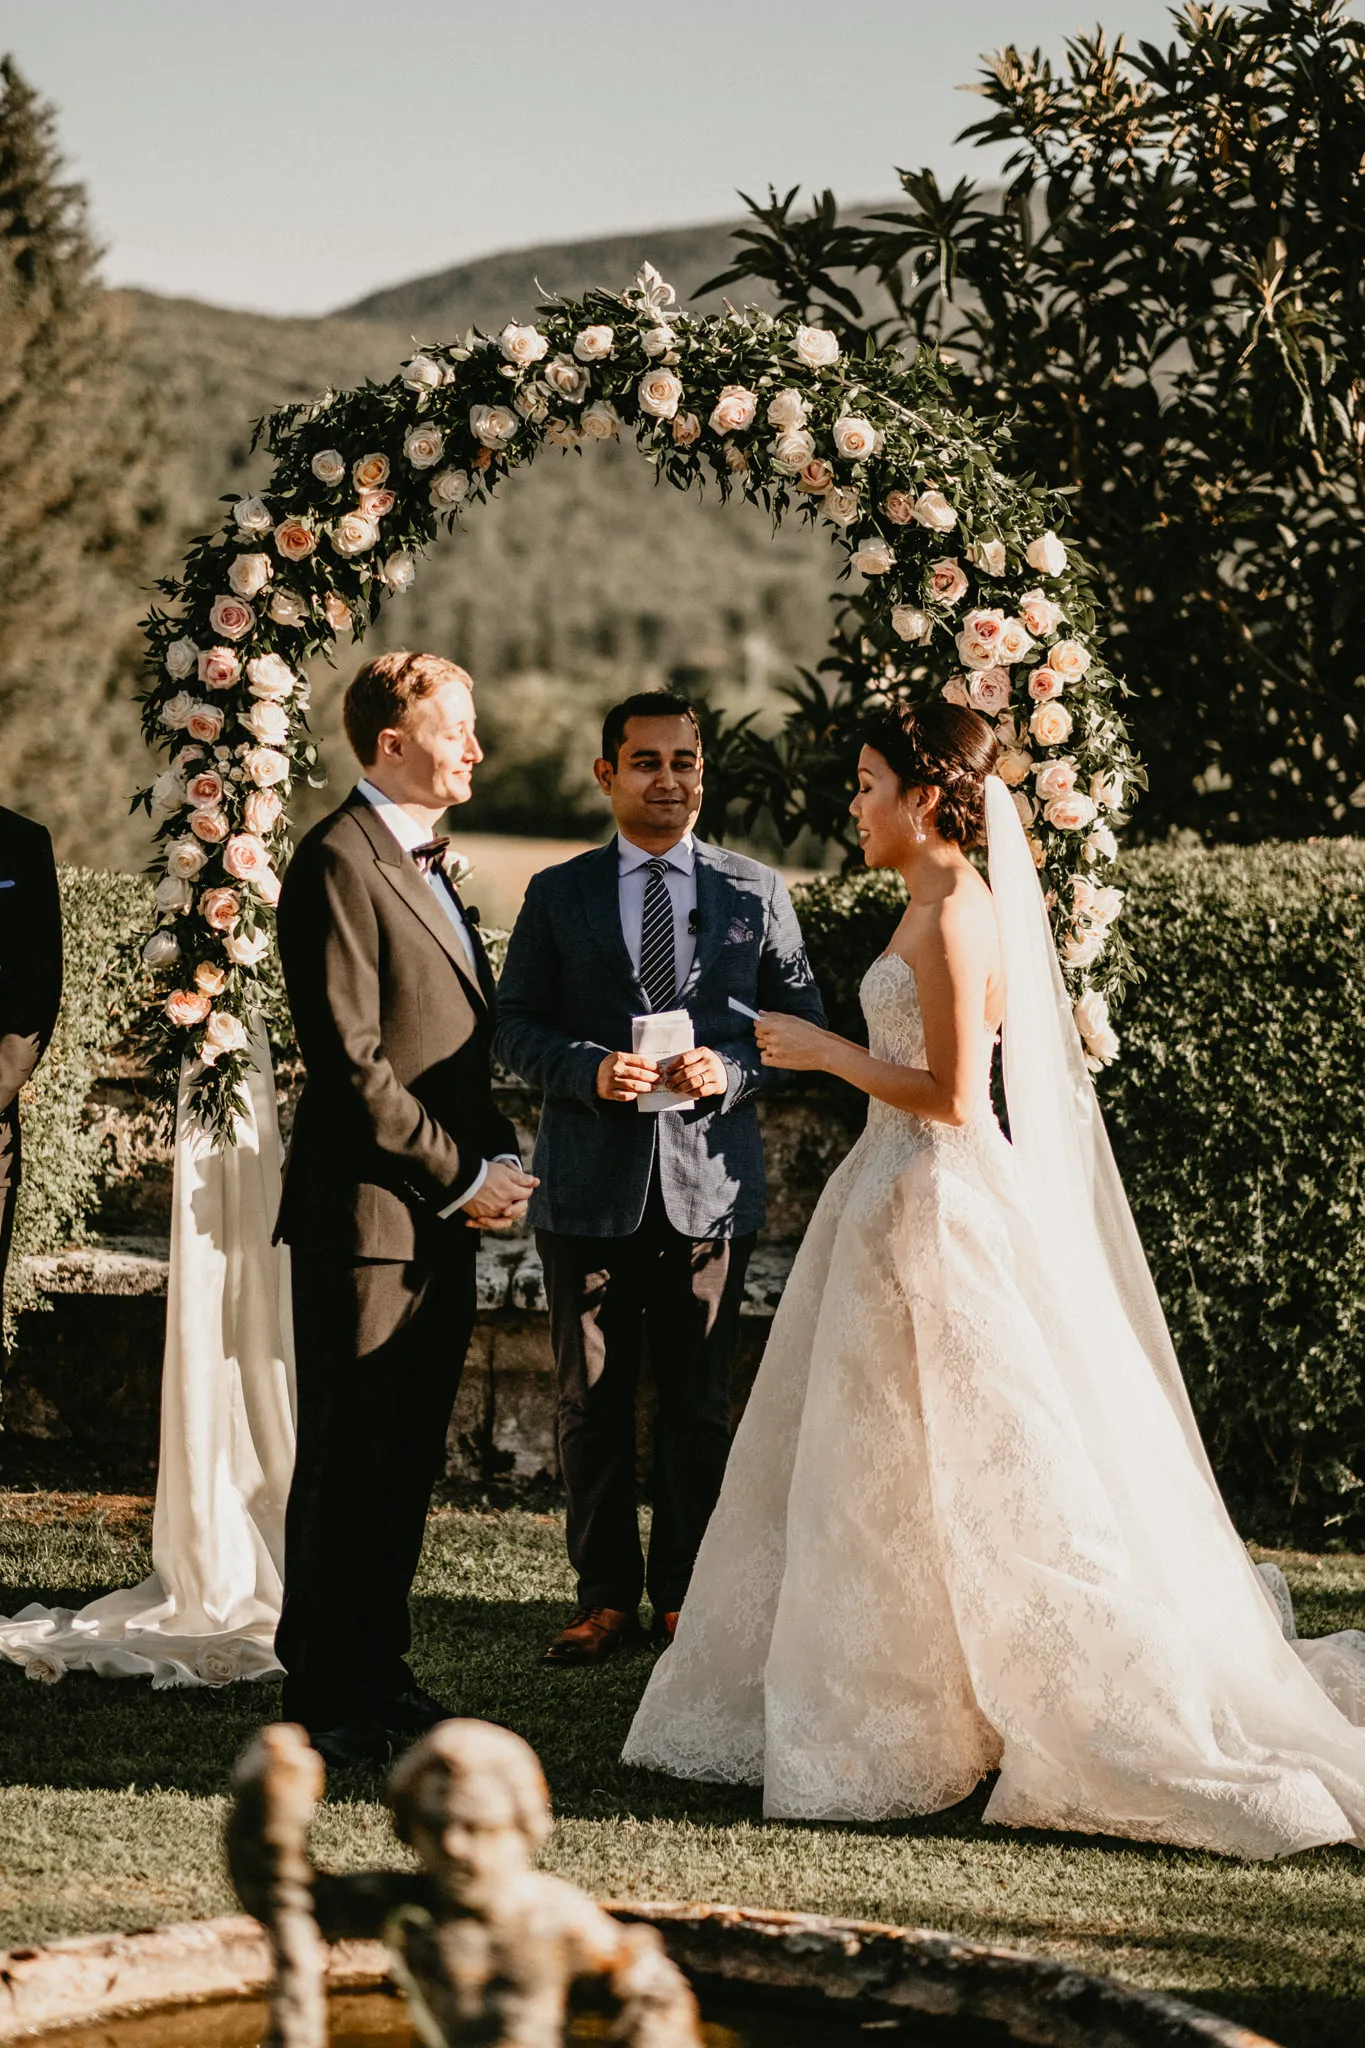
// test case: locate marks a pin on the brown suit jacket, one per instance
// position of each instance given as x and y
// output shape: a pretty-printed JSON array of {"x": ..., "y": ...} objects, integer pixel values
[
  {"x": 30, "y": 968},
  {"x": 397, "y": 1111}
]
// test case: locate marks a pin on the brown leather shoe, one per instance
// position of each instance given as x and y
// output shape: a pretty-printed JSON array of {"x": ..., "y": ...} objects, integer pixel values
[
  {"x": 664, "y": 1630},
  {"x": 592, "y": 1633}
]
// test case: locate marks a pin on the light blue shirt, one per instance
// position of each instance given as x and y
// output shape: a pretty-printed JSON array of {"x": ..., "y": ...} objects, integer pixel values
[{"x": 632, "y": 870}]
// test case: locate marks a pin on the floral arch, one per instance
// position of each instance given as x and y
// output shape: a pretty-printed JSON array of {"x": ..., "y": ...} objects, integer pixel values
[{"x": 966, "y": 591}]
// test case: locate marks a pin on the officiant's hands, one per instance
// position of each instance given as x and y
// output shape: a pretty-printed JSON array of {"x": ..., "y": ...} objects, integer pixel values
[
  {"x": 697, "y": 1073},
  {"x": 791, "y": 1042},
  {"x": 623, "y": 1076},
  {"x": 502, "y": 1199}
]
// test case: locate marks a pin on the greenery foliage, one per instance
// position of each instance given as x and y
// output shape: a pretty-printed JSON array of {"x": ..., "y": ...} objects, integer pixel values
[
  {"x": 1238, "y": 1118},
  {"x": 103, "y": 916},
  {"x": 1168, "y": 301}
]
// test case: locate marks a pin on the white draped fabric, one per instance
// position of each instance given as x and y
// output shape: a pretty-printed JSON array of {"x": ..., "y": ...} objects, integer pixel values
[
  {"x": 208, "y": 1612},
  {"x": 968, "y": 1524}
]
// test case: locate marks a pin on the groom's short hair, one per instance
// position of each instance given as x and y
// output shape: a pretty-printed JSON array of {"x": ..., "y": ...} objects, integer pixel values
[
  {"x": 384, "y": 691},
  {"x": 644, "y": 704}
]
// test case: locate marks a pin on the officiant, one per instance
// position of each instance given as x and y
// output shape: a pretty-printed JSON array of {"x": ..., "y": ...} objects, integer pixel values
[{"x": 645, "y": 1217}]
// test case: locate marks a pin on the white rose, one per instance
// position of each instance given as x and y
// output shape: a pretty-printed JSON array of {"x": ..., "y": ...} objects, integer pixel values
[
  {"x": 794, "y": 448},
  {"x": 734, "y": 410},
  {"x": 913, "y": 625},
  {"x": 265, "y": 766},
  {"x": 399, "y": 572},
  {"x": 601, "y": 421},
  {"x": 420, "y": 373},
  {"x": 354, "y": 534},
  {"x": 1069, "y": 660},
  {"x": 168, "y": 794},
  {"x": 816, "y": 347},
  {"x": 449, "y": 487},
  {"x": 173, "y": 892},
  {"x": 1014, "y": 643},
  {"x": 182, "y": 658},
  {"x": 841, "y": 506},
  {"x": 249, "y": 574},
  {"x": 269, "y": 675},
  {"x": 1070, "y": 813},
  {"x": 1046, "y": 555},
  {"x": 1039, "y": 613},
  {"x": 568, "y": 378},
  {"x": 1107, "y": 791},
  {"x": 657, "y": 341},
  {"x": 177, "y": 709},
  {"x": 855, "y": 438},
  {"x": 252, "y": 515},
  {"x": 424, "y": 446},
  {"x": 1083, "y": 948},
  {"x": 1050, "y": 724},
  {"x": 787, "y": 411},
  {"x": 1097, "y": 1033},
  {"x": 1105, "y": 905},
  {"x": 1054, "y": 778},
  {"x": 267, "y": 722},
  {"x": 287, "y": 608},
  {"x": 522, "y": 345},
  {"x": 988, "y": 556},
  {"x": 185, "y": 857},
  {"x": 660, "y": 393},
  {"x": 1101, "y": 844},
  {"x": 1013, "y": 766},
  {"x": 591, "y": 344},
  {"x": 329, "y": 467},
  {"x": 43, "y": 1667},
  {"x": 933, "y": 510},
  {"x": 246, "y": 952},
  {"x": 874, "y": 558},
  {"x": 493, "y": 425},
  {"x": 223, "y": 1034},
  {"x": 162, "y": 950}
]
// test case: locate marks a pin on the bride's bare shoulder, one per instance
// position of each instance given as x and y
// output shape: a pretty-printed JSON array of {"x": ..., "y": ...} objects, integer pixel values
[{"x": 965, "y": 918}]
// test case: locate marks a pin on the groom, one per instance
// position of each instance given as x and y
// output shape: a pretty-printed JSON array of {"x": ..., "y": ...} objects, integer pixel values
[
  {"x": 399, "y": 1157},
  {"x": 645, "y": 1221}
]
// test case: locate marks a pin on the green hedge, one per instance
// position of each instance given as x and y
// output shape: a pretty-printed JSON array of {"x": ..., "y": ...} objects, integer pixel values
[{"x": 1237, "y": 1111}]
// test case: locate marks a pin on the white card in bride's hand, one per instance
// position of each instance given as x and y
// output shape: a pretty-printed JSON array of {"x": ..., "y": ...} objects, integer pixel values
[{"x": 661, "y": 1036}]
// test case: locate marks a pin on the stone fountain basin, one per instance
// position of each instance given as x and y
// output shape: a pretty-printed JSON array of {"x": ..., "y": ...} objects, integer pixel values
[{"x": 864, "y": 1981}]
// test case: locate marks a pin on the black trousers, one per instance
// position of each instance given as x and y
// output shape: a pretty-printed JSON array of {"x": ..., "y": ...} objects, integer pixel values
[
  {"x": 379, "y": 1348},
  {"x": 605, "y": 1295}
]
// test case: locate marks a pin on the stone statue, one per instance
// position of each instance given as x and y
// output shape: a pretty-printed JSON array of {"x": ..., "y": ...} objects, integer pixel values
[{"x": 487, "y": 1948}]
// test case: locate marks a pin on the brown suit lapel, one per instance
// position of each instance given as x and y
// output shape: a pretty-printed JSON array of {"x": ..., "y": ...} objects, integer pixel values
[{"x": 404, "y": 876}]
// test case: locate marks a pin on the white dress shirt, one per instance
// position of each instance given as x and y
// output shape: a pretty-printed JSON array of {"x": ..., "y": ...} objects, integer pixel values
[
  {"x": 409, "y": 834},
  {"x": 680, "y": 880}
]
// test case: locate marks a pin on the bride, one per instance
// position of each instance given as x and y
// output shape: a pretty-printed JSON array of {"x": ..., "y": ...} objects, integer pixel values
[{"x": 968, "y": 1523}]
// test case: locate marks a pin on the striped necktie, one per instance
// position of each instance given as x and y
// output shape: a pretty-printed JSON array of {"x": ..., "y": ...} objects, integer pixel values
[{"x": 657, "y": 963}]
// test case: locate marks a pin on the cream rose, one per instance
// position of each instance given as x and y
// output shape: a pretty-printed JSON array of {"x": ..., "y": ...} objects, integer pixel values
[
  {"x": 269, "y": 675},
  {"x": 990, "y": 690},
  {"x": 522, "y": 345},
  {"x": 1101, "y": 845},
  {"x": 841, "y": 506},
  {"x": 533, "y": 403},
  {"x": 933, "y": 510},
  {"x": 493, "y": 425},
  {"x": 874, "y": 558},
  {"x": 210, "y": 824},
  {"x": 182, "y": 656},
  {"x": 173, "y": 893},
  {"x": 168, "y": 794},
  {"x": 261, "y": 811},
  {"x": 1070, "y": 813},
  {"x": 1054, "y": 778},
  {"x": 817, "y": 477},
  {"x": 816, "y": 347},
  {"x": 593, "y": 344},
  {"x": 1069, "y": 660},
  {"x": 601, "y": 421},
  {"x": 219, "y": 668},
  {"x": 375, "y": 505},
  {"x": 788, "y": 411},
  {"x": 1050, "y": 724},
  {"x": 185, "y": 858},
  {"x": 422, "y": 373},
  {"x": 205, "y": 788},
  {"x": 1025, "y": 806},
  {"x": 370, "y": 472},
  {"x": 908, "y": 622},
  {"x": 268, "y": 887},
  {"x": 1039, "y": 613},
  {"x": 294, "y": 540},
  {"x": 686, "y": 430},
  {"x": 223, "y": 1034},
  {"x": 945, "y": 581},
  {"x": 657, "y": 341},
  {"x": 855, "y": 438},
  {"x": 1013, "y": 766},
  {"x": 1014, "y": 643},
  {"x": 249, "y": 574},
  {"x": 1083, "y": 948},
  {"x": 287, "y": 608},
  {"x": 793, "y": 449},
  {"x": 205, "y": 722},
  {"x": 186, "y": 1007},
  {"x": 736, "y": 461},
  {"x": 1046, "y": 555},
  {"x": 1097, "y": 1033},
  {"x": 659, "y": 393},
  {"x": 329, "y": 467},
  {"x": 337, "y": 612},
  {"x": 354, "y": 534},
  {"x": 955, "y": 692},
  {"x": 263, "y": 767},
  {"x": 210, "y": 977},
  {"x": 1105, "y": 905},
  {"x": 560, "y": 434},
  {"x": 246, "y": 951},
  {"x": 988, "y": 556},
  {"x": 220, "y": 908},
  {"x": 978, "y": 643},
  {"x": 448, "y": 488},
  {"x": 161, "y": 951},
  {"x": 267, "y": 722},
  {"x": 424, "y": 446},
  {"x": 568, "y": 378},
  {"x": 1107, "y": 790},
  {"x": 252, "y": 515},
  {"x": 1044, "y": 684},
  {"x": 399, "y": 573},
  {"x": 245, "y": 857},
  {"x": 734, "y": 410},
  {"x": 1007, "y": 731},
  {"x": 231, "y": 617},
  {"x": 899, "y": 507}
]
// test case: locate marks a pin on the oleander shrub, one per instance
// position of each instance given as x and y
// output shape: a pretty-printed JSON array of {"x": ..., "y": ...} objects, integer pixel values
[{"x": 1237, "y": 1111}]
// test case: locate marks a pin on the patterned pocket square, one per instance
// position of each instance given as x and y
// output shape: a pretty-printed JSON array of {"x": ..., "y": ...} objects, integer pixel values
[
  {"x": 9, "y": 884},
  {"x": 739, "y": 933}
]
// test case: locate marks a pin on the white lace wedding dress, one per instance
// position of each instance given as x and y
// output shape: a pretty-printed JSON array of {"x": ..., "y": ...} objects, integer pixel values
[{"x": 967, "y": 1524}]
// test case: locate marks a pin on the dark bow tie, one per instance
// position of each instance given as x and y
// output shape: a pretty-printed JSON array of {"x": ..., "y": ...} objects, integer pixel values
[{"x": 431, "y": 855}]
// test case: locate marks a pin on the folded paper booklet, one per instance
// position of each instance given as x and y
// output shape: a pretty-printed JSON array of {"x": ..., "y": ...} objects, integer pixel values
[{"x": 660, "y": 1036}]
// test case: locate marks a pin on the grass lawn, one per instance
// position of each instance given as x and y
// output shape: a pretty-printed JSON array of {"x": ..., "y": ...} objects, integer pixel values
[{"x": 111, "y": 1796}]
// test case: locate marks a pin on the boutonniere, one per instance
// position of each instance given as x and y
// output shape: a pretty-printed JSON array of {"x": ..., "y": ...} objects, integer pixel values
[{"x": 458, "y": 869}]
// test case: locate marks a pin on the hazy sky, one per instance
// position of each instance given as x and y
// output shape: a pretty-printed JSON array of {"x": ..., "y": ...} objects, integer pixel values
[{"x": 290, "y": 155}]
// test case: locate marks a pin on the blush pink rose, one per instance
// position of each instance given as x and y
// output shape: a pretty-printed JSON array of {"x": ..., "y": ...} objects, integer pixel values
[
  {"x": 946, "y": 580},
  {"x": 261, "y": 811},
  {"x": 899, "y": 507},
  {"x": 955, "y": 692},
  {"x": 244, "y": 857},
  {"x": 686, "y": 430},
  {"x": 734, "y": 410},
  {"x": 1039, "y": 613},
  {"x": 210, "y": 825},
  {"x": 265, "y": 766},
  {"x": 249, "y": 574},
  {"x": 187, "y": 1007},
  {"x": 337, "y": 612},
  {"x": 979, "y": 641},
  {"x": 205, "y": 722},
  {"x": 219, "y": 668},
  {"x": 231, "y": 616},
  {"x": 267, "y": 722},
  {"x": 210, "y": 977},
  {"x": 220, "y": 908},
  {"x": 1044, "y": 684},
  {"x": 1069, "y": 659},
  {"x": 370, "y": 472},
  {"x": 990, "y": 690},
  {"x": 1070, "y": 813},
  {"x": 1055, "y": 778},
  {"x": 205, "y": 788},
  {"x": 1050, "y": 724},
  {"x": 816, "y": 478},
  {"x": 1013, "y": 766},
  {"x": 376, "y": 504},
  {"x": 268, "y": 886}
]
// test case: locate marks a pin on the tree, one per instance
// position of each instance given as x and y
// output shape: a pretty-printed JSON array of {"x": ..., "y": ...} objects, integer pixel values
[
  {"x": 78, "y": 500},
  {"x": 1167, "y": 301}
]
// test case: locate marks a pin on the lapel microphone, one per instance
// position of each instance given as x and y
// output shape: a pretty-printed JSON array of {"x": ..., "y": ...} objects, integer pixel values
[{"x": 693, "y": 923}]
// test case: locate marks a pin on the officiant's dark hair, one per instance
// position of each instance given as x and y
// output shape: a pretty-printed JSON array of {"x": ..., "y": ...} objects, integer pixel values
[
  {"x": 644, "y": 704},
  {"x": 944, "y": 747}
]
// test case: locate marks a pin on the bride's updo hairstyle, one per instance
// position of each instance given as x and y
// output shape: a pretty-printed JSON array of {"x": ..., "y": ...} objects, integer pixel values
[{"x": 944, "y": 747}]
